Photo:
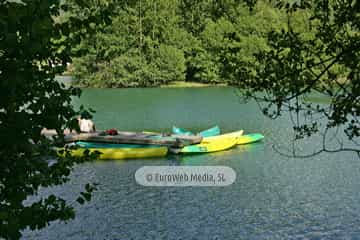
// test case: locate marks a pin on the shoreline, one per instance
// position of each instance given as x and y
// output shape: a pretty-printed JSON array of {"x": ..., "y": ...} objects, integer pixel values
[
  {"x": 183, "y": 84},
  {"x": 174, "y": 84}
]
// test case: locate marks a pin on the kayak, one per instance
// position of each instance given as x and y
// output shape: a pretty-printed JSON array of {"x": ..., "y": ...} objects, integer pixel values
[
  {"x": 182, "y": 131},
  {"x": 210, "y": 145},
  {"x": 249, "y": 138},
  {"x": 84, "y": 144},
  {"x": 123, "y": 137},
  {"x": 210, "y": 132},
  {"x": 123, "y": 152},
  {"x": 241, "y": 139},
  {"x": 206, "y": 133},
  {"x": 236, "y": 134}
]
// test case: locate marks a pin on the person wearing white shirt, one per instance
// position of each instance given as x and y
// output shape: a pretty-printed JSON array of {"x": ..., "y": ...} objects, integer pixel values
[{"x": 86, "y": 125}]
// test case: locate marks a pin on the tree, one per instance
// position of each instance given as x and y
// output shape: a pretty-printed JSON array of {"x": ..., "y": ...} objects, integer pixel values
[
  {"x": 35, "y": 45},
  {"x": 204, "y": 41},
  {"x": 324, "y": 60},
  {"x": 139, "y": 49},
  {"x": 229, "y": 42}
]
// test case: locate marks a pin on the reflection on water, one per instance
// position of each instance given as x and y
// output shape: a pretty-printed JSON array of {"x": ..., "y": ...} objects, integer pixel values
[{"x": 273, "y": 197}]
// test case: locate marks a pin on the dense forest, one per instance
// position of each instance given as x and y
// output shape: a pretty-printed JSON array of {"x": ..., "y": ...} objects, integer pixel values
[{"x": 150, "y": 43}]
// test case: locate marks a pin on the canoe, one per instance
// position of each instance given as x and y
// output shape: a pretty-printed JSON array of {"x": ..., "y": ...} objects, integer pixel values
[
  {"x": 123, "y": 153},
  {"x": 210, "y": 145},
  {"x": 206, "y": 133}
]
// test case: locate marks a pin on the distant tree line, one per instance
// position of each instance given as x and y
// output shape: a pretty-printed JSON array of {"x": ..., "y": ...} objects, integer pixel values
[{"x": 155, "y": 42}]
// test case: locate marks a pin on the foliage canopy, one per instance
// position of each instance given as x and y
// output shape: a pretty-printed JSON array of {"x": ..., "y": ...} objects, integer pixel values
[
  {"x": 195, "y": 39},
  {"x": 36, "y": 45},
  {"x": 321, "y": 59}
]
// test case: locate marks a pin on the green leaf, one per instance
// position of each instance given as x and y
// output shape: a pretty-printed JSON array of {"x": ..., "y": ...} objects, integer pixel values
[{"x": 80, "y": 200}]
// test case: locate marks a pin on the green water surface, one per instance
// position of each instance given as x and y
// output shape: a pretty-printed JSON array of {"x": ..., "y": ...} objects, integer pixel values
[{"x": 273, "y": 197}]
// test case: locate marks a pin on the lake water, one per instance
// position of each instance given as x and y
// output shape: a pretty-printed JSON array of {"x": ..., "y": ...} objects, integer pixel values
[{"x": 273, "y": 197}]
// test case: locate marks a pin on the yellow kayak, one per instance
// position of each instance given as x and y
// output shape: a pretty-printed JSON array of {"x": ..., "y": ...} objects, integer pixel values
[
  {"x": 210, "y": 145},
  {"x": 241, "y": 139},
  {"x": 123, "y": 153},
  {"x": 236, "y": 134},
  {"x": 250, "y": 138}
]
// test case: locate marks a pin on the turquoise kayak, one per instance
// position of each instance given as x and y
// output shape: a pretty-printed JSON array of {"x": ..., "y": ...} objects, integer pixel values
[
  {"x": 214, "y": 131},
  {"x": 181, "y": 131}
]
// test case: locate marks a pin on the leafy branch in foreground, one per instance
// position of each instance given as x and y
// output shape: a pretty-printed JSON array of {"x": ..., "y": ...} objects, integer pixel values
[
  {"x": 324, "y": 62},
  {"x": 35, "y": 45}
]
